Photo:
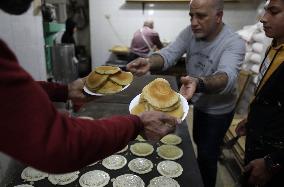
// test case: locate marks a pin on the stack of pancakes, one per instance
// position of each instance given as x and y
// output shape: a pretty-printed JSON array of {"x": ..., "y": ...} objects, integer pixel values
[
  {"x": 159, "y": 96},
  {"x": 118, "y": 49},
  {"x": 108, "y": 80}
]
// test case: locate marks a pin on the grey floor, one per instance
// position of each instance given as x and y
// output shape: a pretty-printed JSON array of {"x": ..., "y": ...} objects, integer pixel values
[{"x": 224, "y": 178}]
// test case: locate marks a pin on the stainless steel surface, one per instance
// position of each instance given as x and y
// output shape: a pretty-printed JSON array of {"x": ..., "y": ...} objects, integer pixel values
[{"x": 64, "y": 68}]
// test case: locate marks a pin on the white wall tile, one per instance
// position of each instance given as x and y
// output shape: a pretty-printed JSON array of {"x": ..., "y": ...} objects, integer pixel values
[{"x": 24, "y": 35}]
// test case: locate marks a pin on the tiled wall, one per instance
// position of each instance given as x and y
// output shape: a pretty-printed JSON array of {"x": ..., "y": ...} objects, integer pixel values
[
  {"x": 24, "y": 35},
  {"x": 170, "y": 19}
]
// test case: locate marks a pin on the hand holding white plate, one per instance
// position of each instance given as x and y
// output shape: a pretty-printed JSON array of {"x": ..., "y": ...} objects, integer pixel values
[{"x": 183, "y": 101}]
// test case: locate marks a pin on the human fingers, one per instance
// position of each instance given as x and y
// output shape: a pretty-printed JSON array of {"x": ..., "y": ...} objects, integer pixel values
[
  {"x": 248, "y": 167},
  {"x": 154, "y": 131},
  {"x": 185, "y": 80},
  {"x": 140, "y": 72},
  {"x": 252, "y": 179},
  {"x": 136, "y": 66},
  {"x": 132, "y": 65},
  {"x": 167, "y": 119},
  {"x": 241, "y": 128},
  {"x": 155, "y": 126},
  {"x": 144, "y": 66},
  {"x": 84, "y": 79},
  {"x": 187, "y": 91},
  {"x": 162, "y": 129}
]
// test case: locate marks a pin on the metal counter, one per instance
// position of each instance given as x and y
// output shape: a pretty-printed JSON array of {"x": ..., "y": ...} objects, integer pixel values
[{"x": 118, "y": 104}]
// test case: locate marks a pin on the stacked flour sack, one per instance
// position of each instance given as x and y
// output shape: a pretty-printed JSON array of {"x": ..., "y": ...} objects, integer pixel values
[
  {"x": 256, "y": 44},
  {"x": 108, "y": 80},
  {"x": 158, "y": 96}
]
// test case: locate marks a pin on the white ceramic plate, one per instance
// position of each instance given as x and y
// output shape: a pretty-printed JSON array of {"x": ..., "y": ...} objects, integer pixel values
[
  {"x": 178, "y": 152},
  {"x": 184, "y": 103},
  {"x": 98, "y": 94},
  {"x": 141, "y": 146}
]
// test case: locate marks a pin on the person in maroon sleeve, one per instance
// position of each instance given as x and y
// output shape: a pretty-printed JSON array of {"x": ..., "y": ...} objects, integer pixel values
[{"x": 35, "y": 133}]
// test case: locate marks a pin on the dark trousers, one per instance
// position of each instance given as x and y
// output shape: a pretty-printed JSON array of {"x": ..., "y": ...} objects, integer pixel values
[{"x": 208, "y": 133}]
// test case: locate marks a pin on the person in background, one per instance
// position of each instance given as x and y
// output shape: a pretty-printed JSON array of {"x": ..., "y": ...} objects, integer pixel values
[
  {"x": 214, "y": 54},
  {"x": 145, "y": 41},
  {"x": 70, "y": 29},
  {"x": 264, "y": 125},
  {"x": 35, "y": 133}
]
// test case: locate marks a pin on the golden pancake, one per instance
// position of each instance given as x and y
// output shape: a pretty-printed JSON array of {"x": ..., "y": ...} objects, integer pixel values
[
  {"x": 118, "y": 49},
  {"x": 95, "y": 80},
  {"x": 107, "y": 70},
  {"x": 178, "y": 113},
  {"x": 122, "y": 78},
  {"x": 168, "y": 109},
  {"x": 141, "y": 149},
  {"x": 160, "y": 94},
  {"x": 169, "y": 152},
  {"x": 140, "y": 138},
  {"x": 109, "y": 88},
  {"x": 139, "y": 108},
  {"x": 171, "y": 139},
  {"x": 142, "y": 98}
]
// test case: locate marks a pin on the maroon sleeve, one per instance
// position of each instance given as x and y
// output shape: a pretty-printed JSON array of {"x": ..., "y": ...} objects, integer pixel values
[
  {"x": 33, "y": 132},
  {"x": 56, "y": 92}
]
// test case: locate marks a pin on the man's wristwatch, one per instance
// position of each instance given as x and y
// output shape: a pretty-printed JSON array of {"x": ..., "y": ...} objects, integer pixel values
[
  {"x": 271, "y": 165},
  {"x": 200, "y": 87}
]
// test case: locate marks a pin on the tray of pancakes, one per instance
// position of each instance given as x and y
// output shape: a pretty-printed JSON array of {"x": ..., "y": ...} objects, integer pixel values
[
  {"x": 159, "y": 96},
  {"x": 105, "y": 80}
]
